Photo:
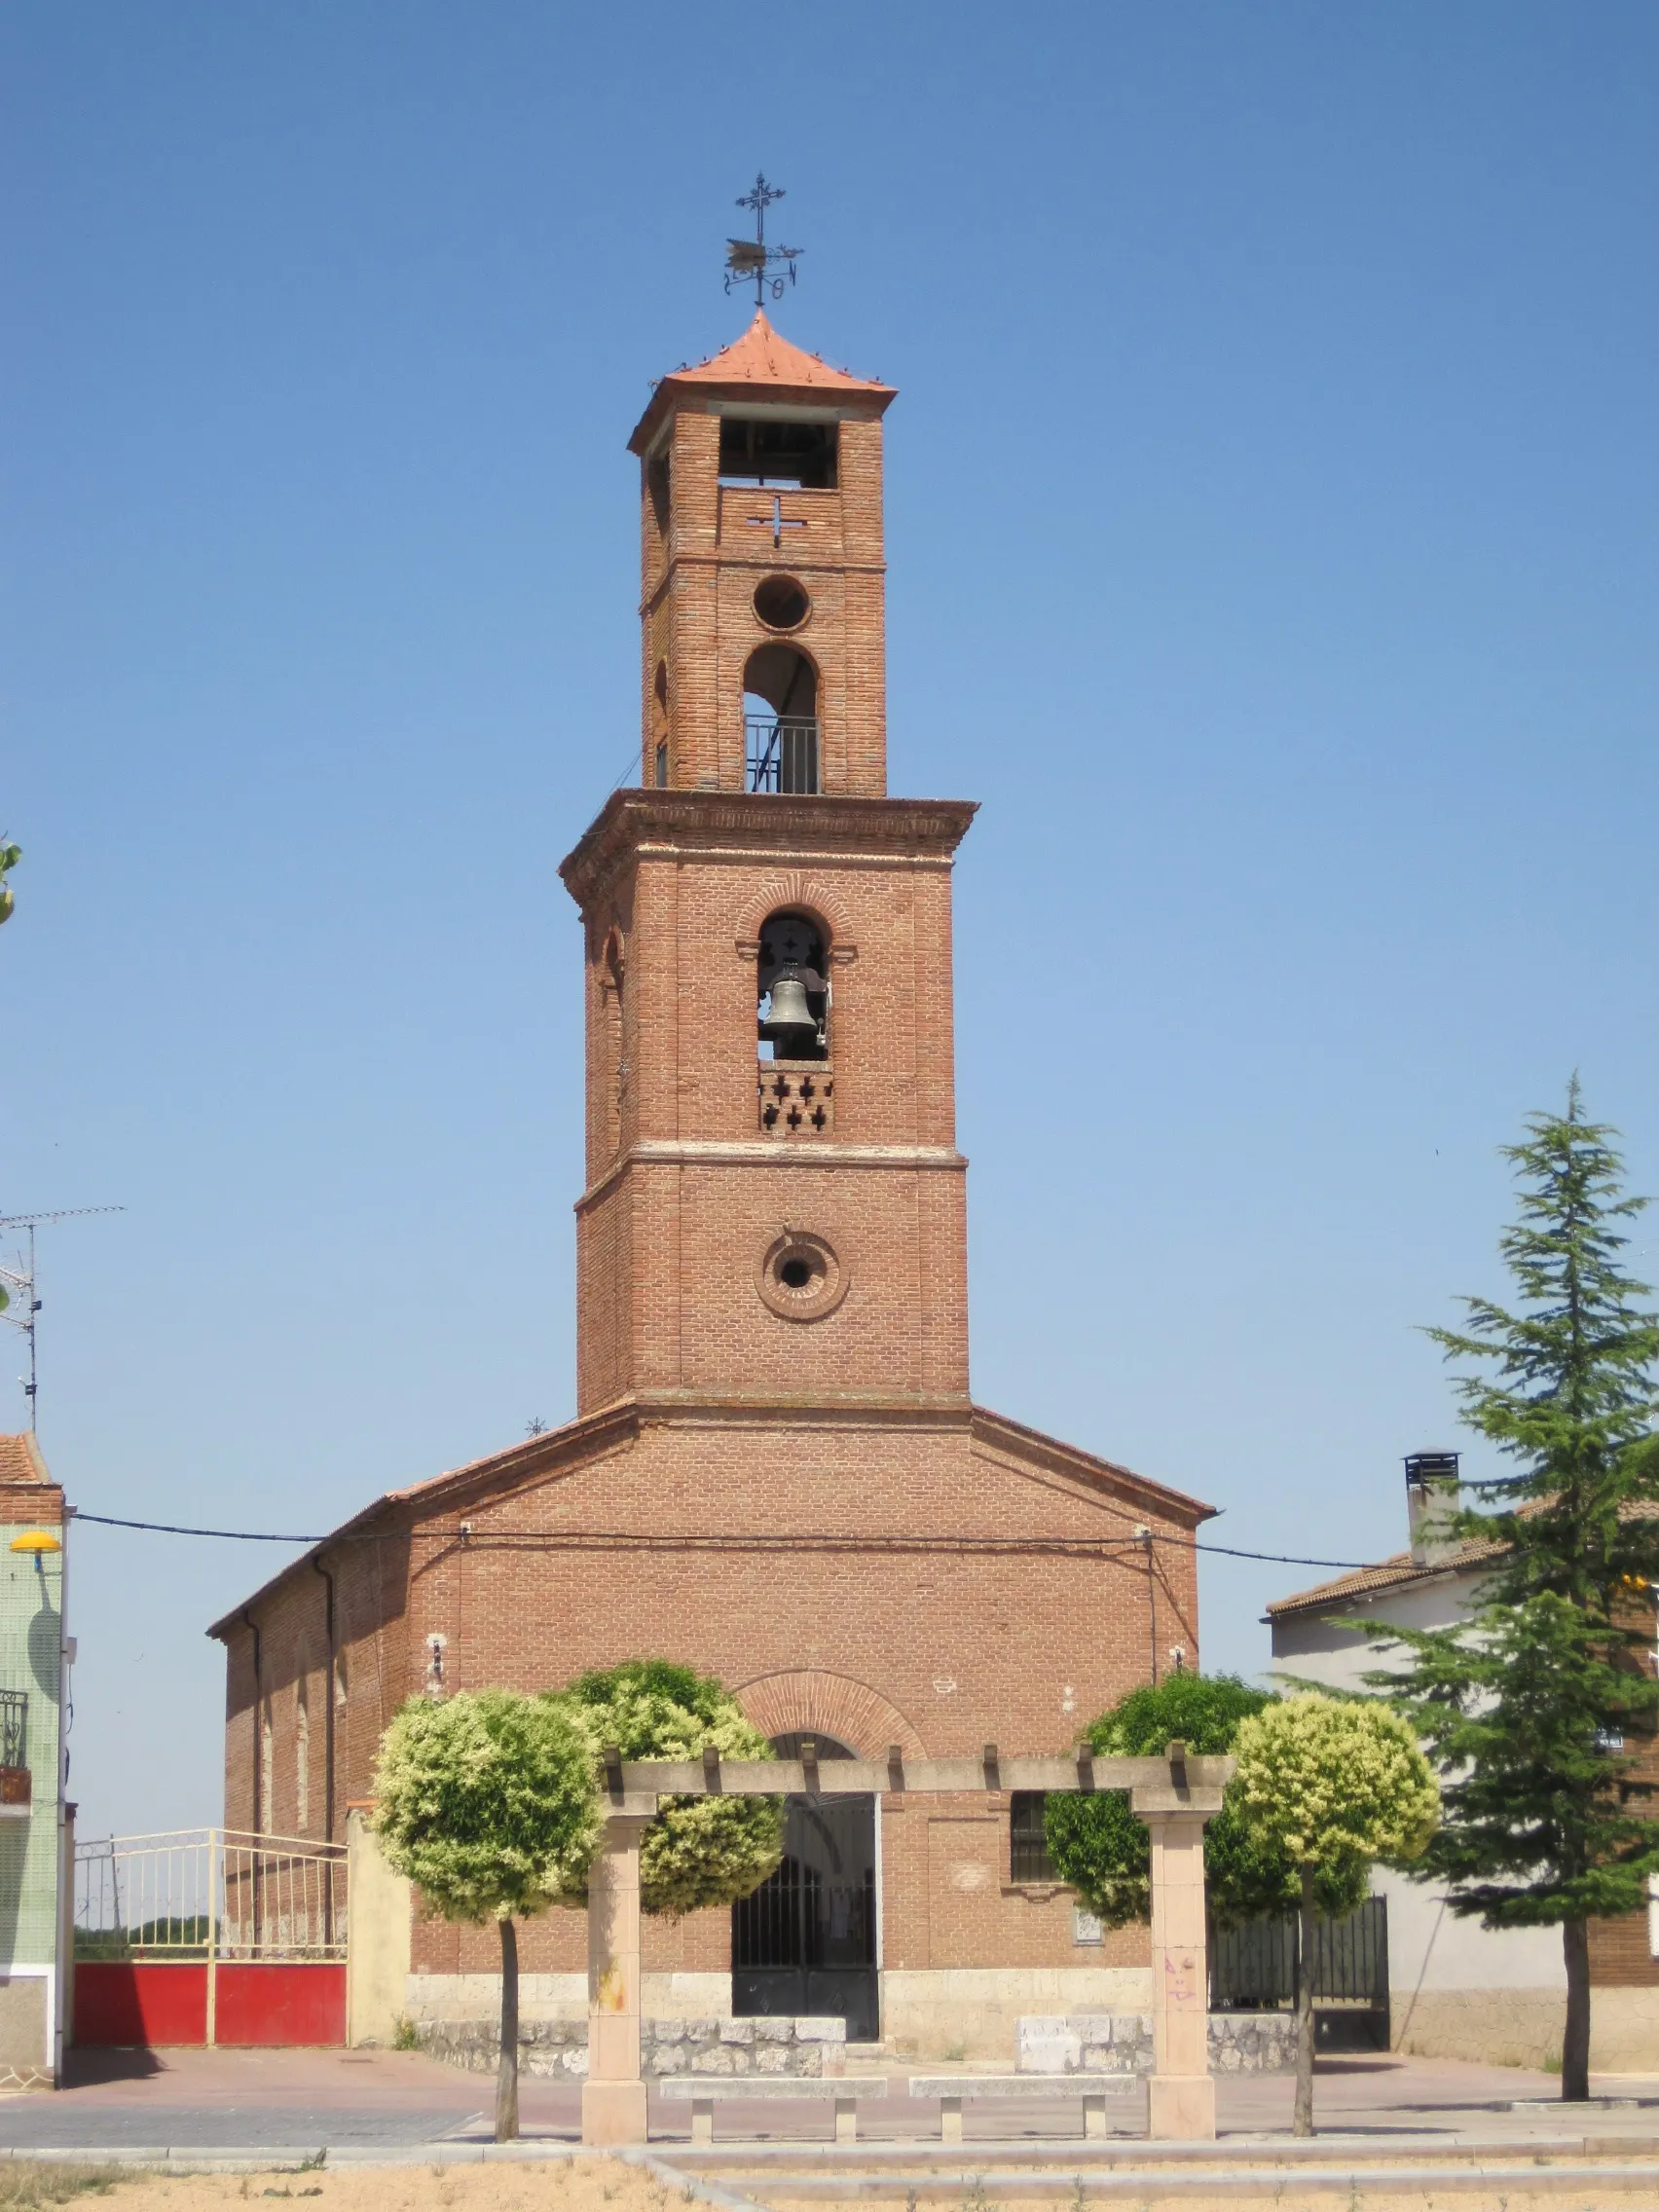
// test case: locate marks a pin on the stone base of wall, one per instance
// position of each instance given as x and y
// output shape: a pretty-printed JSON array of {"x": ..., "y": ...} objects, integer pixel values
[
  {"x": 973, "y": 2011},
  {"x": 563, "y": 1997},
  {"x": 945, "y": 2012},
  {"x": 1500, "y": 2027},
  {"x": 799, "y": 2047},
  {"x": 1624, "y": 2031},
  {"x": 1122, "y": 2043},
  {"x": 26, "y": 2047}
]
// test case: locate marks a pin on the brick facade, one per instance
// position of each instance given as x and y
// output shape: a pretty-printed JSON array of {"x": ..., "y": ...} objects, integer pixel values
[{"x": 789, "y": 1486}]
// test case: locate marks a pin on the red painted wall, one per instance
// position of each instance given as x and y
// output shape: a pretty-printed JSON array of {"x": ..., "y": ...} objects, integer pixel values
[{"x": 128, "y": 2002}]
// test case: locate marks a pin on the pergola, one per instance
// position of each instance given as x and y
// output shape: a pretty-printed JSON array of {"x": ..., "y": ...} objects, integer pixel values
[{"x": 1174, "y": 1795}]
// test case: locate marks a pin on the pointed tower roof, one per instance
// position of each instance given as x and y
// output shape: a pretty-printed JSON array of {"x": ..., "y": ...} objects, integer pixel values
[{"x": 761, "y": 361}]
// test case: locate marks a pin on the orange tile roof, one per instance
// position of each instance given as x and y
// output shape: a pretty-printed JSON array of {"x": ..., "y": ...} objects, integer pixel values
[
  {"x": 1394, "y": 1574},
  {"x": 761, "y": 356},
  {"x": 20, "y": 1460}
]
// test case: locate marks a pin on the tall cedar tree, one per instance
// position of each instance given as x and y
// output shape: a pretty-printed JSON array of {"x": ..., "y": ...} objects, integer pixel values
[{"x": 1533, "y": 1706}]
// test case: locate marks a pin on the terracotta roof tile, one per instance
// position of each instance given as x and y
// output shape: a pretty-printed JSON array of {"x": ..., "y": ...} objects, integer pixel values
[
  {"x": 20, "y": 1460},
  {"x": 1394, "y": 1574},
  {"x": 761, "y": 356}
]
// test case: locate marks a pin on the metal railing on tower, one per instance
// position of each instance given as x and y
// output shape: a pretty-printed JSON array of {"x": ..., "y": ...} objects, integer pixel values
[{"x": 780, "y": 754}]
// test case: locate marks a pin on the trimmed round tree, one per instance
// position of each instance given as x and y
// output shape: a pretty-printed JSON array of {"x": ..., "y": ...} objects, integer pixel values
[
  {"x": 1100, "y": 1847},
  {"x": 1334, "y": 1785},
  {"x": 698, "y": 1851},
  {"x": 486, "y": 1801}
]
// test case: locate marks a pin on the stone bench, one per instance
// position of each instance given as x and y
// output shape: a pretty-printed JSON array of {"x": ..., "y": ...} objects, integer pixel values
[
  {"x": 951, "y": 2089},
  {"x": 703, "y": 2091}
]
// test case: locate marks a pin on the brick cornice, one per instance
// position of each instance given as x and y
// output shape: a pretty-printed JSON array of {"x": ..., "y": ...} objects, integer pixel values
[
  {"x": 778, "y": 828},
  {"x": 816, "y": 1153},
  {"x": 398, "y": 1511},
  {"x": 995, "y": 1434}
]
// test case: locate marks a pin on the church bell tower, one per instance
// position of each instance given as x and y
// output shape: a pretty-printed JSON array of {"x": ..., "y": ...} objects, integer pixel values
[{"x": 774, "y": 1213}]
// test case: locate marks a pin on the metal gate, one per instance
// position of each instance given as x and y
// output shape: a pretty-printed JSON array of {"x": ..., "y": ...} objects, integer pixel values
[
  {"x": 805, "y": 1941},
  {"x": 1257, "y": 1968},
  {"x": 204, "y": 1935}
]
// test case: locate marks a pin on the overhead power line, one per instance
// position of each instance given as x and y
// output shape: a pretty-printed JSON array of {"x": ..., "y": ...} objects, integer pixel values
[{"x": 817, "y": 1540}]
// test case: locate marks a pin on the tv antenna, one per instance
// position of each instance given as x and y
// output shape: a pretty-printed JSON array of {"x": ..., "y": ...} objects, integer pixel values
[
  {"x": 19, "y": 1304},
  {"x": 770, "y": 267}
]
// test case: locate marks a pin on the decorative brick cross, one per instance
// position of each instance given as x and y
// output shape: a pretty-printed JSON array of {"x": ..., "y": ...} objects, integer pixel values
[{"x": 777, "y": 522}]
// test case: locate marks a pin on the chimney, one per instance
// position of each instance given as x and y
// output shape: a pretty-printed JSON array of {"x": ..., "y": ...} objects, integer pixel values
[{"x": 1432, "y": 1492}]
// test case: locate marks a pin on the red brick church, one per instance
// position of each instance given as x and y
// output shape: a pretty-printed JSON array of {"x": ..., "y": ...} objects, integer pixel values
[{"x": 775, "y": 1471}]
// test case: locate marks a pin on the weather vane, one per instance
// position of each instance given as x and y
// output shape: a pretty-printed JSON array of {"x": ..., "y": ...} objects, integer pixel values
[{"x": 770, "y": 266}]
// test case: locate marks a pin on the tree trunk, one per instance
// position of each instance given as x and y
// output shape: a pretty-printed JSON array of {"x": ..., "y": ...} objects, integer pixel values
[
  {"x": 1575, "y": 2043},
  {"x": 1303, "y": 2124},
  {"x": 506, "y": 2078}
]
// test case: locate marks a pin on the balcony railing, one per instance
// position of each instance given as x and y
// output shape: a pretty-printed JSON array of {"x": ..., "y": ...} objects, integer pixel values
[{"x": 780, "y": 754}]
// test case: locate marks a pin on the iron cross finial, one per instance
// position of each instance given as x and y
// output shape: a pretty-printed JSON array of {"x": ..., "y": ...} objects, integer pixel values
[{"x": 770, "y": 266}]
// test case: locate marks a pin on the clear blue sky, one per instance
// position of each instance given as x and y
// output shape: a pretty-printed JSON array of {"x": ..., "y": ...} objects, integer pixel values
[{"x": 1272, "y": 545}]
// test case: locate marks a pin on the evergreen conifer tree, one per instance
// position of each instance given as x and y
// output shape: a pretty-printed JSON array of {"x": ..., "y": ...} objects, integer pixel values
[{"x": 1539, "y": 1708}]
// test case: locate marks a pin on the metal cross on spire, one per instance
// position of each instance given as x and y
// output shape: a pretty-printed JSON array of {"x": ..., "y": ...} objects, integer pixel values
[{"x": 770, "y": 266}]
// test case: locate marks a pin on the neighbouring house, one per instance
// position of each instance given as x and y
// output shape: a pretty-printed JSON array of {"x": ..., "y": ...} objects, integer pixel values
[
  {"x": 775, "y": 1471},
  {"x": 36, "y": 1843},
  {"x": 1459, "y": 1990}
]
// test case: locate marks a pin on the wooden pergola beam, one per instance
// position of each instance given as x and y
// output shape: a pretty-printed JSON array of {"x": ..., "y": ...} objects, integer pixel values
[
  {"x": 1174, "y": 1795},
  {"x": 1182, "y": 1776}
]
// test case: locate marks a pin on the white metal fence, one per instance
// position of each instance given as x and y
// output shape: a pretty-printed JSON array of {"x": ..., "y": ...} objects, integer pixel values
[{"x": 209, "y": 1893}]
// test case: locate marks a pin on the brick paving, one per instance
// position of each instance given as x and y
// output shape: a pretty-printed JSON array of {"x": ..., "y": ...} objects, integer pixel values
[{"x": 307, "y": 2100}]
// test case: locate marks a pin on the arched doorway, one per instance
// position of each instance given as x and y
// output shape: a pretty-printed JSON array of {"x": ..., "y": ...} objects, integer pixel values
[{"x": 805, "y": 1941}]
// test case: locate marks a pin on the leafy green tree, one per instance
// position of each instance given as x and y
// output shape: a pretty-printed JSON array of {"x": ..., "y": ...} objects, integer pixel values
[
  {"x": 1098, "y": 1846},
  {"x": 486, "y": 1800},
  {"x": 10, "y": 856},
  {"x": 1527, "y": 1704},
  {"x": 698, "y": 1851},
  {"x": 1333, "y": 1785}
]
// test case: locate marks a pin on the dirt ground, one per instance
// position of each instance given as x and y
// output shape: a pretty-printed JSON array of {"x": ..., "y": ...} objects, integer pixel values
[
  {"x": 592, "y": 2185},
  {"x": 561, "y": 2185}
]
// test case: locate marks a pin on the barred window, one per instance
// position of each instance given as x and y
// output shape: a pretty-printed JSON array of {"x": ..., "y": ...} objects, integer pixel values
[
  {"x": 1028, "y": 1849},
  {"x": 14, "y": 1728}
]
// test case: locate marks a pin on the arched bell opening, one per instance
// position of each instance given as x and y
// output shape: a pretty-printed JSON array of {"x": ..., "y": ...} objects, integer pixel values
[
  {"x": 791, "y": 984},
  {"x": 780, "y": 720},
  {"x": 804, "y": 1942}
]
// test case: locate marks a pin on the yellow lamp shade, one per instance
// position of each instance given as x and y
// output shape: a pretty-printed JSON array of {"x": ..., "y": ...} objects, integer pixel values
[{"x": 36, "y": 1540}]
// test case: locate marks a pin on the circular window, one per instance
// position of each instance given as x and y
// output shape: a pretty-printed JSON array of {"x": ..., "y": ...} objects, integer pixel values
[
  {"x": 781, "y": 603},
  {"x": 800, "y": 1277}
]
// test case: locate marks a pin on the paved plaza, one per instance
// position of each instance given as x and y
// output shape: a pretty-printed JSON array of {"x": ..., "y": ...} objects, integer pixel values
[{"x": 311, "y": 2100}]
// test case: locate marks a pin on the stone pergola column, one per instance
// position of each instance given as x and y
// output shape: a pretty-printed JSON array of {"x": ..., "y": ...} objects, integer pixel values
[
  {"x": 1181, "y": 2092},
  {"x": 614, "y": 2095}
]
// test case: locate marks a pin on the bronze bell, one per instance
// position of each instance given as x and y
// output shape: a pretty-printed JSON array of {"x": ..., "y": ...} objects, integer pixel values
[{"x": 791, "y": 1013}]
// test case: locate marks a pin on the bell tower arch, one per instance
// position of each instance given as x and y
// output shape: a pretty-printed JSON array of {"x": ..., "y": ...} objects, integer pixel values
[{"x": 763, "y": 618}]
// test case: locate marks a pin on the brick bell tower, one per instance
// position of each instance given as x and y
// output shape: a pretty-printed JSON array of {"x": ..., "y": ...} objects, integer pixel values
[{"x": 775, "y": 1209}]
